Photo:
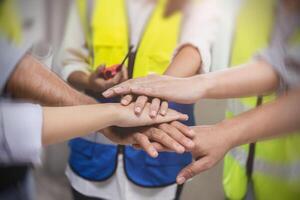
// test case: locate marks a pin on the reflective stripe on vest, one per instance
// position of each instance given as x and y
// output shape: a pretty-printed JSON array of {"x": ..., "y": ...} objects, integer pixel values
[{"x": 289, "y": 172}]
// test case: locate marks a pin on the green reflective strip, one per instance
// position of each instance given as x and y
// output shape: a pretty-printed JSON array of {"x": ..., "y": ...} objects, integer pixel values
[
  {"x": 284, "y": 171},
  {"x": 283, "y": 150}
]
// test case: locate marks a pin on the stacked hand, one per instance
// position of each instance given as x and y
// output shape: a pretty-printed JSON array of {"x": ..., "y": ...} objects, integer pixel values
[
  {"x": 210, "y": 143},
  {"x": 162, "y": 129},
  {"x": 180, "y": 90}
]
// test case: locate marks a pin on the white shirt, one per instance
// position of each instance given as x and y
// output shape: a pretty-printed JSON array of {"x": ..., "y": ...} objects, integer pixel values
[{"x": 199, "y": 29}]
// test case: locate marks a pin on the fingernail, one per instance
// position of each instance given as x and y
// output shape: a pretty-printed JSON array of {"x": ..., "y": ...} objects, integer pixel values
[
  {"x": 180, "y": 180},
  {"x": 186, "y": 117},
  {"x": 138, "y": 109},
  {"x": 154, "y": 153},
  {"x": 107, "y": 93},
  {"x": 190, "y": 143},
  {"x": 124, "y": 101},
  {"x": 179, "y": 148},
  {"x": 192, "y": 132}
]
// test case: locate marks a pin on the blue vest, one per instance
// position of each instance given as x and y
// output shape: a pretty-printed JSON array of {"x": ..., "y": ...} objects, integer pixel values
[{"x": 98, "y": 162}]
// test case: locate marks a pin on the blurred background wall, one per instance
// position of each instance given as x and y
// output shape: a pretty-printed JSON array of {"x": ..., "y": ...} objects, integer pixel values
[{"x": 51, "y": 181}]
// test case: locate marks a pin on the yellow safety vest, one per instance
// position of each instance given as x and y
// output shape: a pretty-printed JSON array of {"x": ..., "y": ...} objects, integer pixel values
[
  {"x": 276, "y": 164},
  {"x": 108, "y": 37},
  {"x": 10, "y": 26}
]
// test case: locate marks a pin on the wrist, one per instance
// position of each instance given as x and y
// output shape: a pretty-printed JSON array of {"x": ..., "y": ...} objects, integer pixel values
[
  {"x": 115, "y": 113},
  {"x": 230, "y": 132},
  {"x": 202, "y": 84}
]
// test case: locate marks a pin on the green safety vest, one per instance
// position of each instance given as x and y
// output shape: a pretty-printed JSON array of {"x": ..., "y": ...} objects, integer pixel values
[
  {"x": 276, "y": 163},
  {"x": 10, "y": 26},
  {"x": 107, "y": 36}
]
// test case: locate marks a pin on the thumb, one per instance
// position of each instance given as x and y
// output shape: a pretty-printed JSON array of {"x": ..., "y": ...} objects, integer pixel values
[{"x": 193, "y": 169}]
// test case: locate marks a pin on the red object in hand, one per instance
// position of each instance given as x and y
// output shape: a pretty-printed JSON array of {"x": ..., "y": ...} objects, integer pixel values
[{"x": 109, "y": 72}]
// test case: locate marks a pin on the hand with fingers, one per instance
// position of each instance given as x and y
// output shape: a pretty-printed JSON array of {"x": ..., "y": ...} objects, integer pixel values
[
  {"x": 157, "y": 106},
  {"x": 99, "y": 84},
  {"x": 211, "y": 144},
  {"x": 179, "y": 90},
  {"x": 173, "y": 136},
  {"x": 127, "y": 118}
]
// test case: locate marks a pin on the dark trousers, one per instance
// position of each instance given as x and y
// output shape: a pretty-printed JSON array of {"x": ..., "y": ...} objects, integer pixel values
[{"x": 16, "y": 183}]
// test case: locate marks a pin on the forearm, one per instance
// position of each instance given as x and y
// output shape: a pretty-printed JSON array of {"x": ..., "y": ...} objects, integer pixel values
[
  {"x": 186, "y": 63},
  {"x": 254, "y": 78},
  {"x": 63, "y": 123},
  {"x": 268, "y": 121},
  {"x": 32, "y": 81}
]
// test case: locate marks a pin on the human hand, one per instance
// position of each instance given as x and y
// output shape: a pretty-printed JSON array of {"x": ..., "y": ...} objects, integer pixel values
[
  {"x": 124, "y": 117},
  {"x": 99, "y": 84},
  {"x": 157, "y": 105},
  {"x": 211, "y": 144},
  {"x": 179, "y": 90},
  {"x": 174, "y": 136}
]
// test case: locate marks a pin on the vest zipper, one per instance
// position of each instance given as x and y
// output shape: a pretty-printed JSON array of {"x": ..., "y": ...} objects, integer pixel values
[{"x": 120, "y": 149}]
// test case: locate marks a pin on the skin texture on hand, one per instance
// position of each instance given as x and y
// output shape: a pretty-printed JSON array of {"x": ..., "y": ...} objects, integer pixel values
[
  {"x": 211, "y": 144},
  {"x": 127, "y": 118},
  {"x": 180, "y": 90},
  {"x": 174, "y": 136}
]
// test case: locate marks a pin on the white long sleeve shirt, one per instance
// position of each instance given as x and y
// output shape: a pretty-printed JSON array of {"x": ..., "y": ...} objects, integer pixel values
[{"x": 20, "y": 123}]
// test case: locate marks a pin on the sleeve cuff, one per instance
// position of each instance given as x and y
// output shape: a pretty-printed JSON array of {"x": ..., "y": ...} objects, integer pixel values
[
  {"x": 23, "y": 131},
  {"x": 69, "y": 69},
  {"x": 204, "y": 51}
]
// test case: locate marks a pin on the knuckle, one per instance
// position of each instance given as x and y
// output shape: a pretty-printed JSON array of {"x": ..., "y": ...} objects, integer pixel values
[
  {"x": 190, "y": 172},
  {"x": 157, "y": 135},
  {"x": 208, "y": 164}
]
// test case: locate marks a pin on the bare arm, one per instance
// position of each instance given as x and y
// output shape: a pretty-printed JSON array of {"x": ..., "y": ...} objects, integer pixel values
[
  {"x": 270, "y": 120},
  {"x": 32, "y": 81},
  {"x": 250, "y": 79},
  {"x": 254, "y": 78},
  {"x": 186, "y": 63},
  {"x": 62, "y": 123}
]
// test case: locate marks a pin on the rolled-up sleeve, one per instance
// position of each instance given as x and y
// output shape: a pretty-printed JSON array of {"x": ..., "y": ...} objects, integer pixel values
[
  {"x": 20, "y": 132},
  {"x": 10, "y": 55},
  {"x": 286, "y": 62}
]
